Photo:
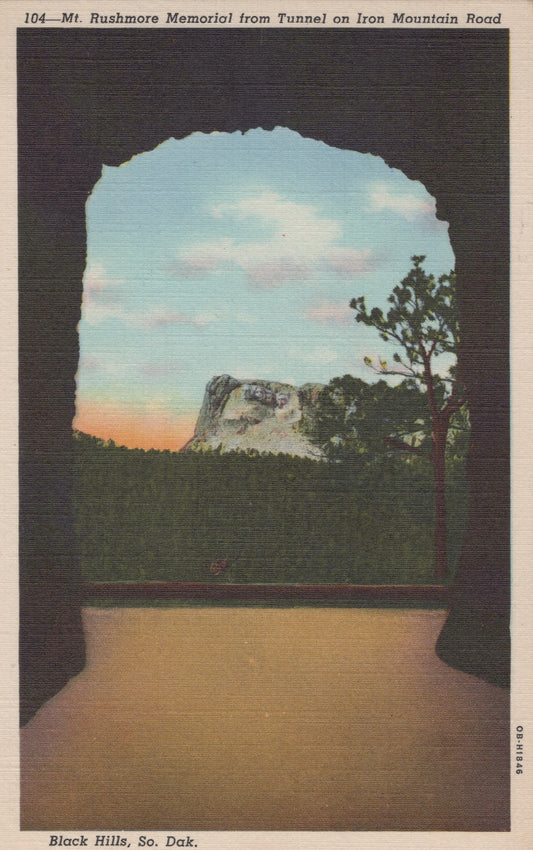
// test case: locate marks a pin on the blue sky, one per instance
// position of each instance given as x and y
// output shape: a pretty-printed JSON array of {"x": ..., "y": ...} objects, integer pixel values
[{"x": 239, "y": 254}]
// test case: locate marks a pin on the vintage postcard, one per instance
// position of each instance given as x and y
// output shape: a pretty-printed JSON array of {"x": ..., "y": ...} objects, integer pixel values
[{"x": 265, "y": 300}]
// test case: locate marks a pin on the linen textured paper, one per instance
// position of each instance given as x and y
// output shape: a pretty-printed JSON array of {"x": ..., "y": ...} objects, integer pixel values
[{"x": 264, "y": 299}]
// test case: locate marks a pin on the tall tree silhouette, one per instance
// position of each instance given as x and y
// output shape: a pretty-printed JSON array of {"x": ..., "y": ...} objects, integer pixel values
[{"x": 423, "y": 322}]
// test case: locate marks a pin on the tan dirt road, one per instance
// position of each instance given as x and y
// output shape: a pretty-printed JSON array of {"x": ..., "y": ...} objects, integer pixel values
[{"x": 267, "y": 719}]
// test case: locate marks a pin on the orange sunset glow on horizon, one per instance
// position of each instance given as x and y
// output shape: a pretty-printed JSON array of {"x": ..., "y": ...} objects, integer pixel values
[{"x": 145, "y": 430}]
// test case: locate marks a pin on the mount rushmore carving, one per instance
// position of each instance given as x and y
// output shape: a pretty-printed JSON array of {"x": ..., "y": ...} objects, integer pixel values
[{"x": 255, "y": 415}]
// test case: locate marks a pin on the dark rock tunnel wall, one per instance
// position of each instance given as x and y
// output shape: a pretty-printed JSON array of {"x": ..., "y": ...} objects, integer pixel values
[{"x": 431, "y": 103}]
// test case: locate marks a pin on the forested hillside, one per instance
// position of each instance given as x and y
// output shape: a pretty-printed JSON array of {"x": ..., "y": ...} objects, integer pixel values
[{"x": 164, "y": 516}]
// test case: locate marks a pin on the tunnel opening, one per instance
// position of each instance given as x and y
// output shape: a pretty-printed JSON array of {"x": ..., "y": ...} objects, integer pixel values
[
  {"x": 216, "y": 320},
  {"x": 75, "y": 117}
]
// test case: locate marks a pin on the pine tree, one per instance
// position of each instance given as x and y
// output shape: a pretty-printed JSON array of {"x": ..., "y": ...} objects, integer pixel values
[{"x": 423, "y": 322}]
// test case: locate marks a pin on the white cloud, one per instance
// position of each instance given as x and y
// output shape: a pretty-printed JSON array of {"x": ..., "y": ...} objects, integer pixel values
[
  {"x": 299, "y": 242},
  {"x": 348, "y": 262},
  {"x": 268, "y": 274},
  {"x": 90, "y": 364},
  {"x": 328, "y": 313},
  {"x": 95, "y": 281},
  {"x": 102, "y": 296},
  {"x": 161, "y": 317},
  {"x": 200, "y": 259},
  {"x": 298, "y": 225},
  {"x": 409, "y": 206}
]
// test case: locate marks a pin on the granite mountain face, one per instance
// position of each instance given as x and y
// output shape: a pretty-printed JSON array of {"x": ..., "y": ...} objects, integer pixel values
[{"x": 264, "y": 416}]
